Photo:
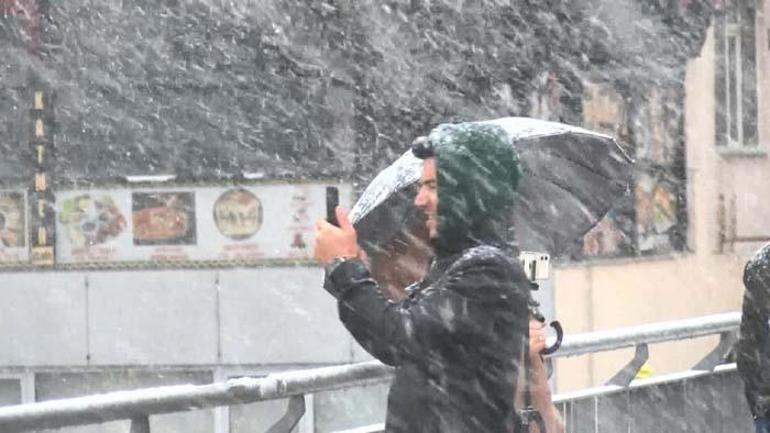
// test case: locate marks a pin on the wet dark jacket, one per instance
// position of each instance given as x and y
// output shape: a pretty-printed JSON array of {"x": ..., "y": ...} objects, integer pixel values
[
  {"x": 753, "y": 348},
  {"x": 456, "y": 339}
]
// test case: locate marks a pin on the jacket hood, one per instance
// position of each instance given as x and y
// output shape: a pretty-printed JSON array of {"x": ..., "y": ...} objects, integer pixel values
[{"x": 477, "y": 174}]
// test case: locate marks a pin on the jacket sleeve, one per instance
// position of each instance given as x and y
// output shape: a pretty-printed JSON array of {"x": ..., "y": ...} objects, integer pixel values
[
  {"x": 352, "y": 275},
  {"x": 476, "y": 297},
  {"x": 753, "y": 348}
]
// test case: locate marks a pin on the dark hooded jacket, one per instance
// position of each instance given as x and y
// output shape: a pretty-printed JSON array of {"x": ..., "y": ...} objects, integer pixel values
[
  {"x": 753, "y": 349},
  {"x": 456, "y": 340}
]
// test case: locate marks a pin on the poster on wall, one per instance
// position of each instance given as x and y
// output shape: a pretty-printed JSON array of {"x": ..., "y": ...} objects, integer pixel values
[
  {"x": 604, "y": 239},
  {"x": 238, "y": 214},
  {"x": 163, "y": 218},
  {"x": 656, "y": 127},
  {"x": 163, "y": 226},
  {"x": 91, "y": 225},
  {"x": 605, "y": 110},
  {"x": 263, "y": 222},
  {"x": 656, "y": 213},
  {"x": 301, "y": 228},
  {"x": 245, "y": 223},
  {"x": 238, "y": 217},
  {"x": 13, "y": 227}
]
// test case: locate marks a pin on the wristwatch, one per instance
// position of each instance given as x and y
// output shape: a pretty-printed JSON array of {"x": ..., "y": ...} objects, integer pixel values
[
  {"x": 340, "y": 275},
  {"x": 336, "y": 262}
]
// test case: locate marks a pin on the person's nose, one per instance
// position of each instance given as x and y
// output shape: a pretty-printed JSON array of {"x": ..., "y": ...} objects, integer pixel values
[{"x": 419, "y": 199}]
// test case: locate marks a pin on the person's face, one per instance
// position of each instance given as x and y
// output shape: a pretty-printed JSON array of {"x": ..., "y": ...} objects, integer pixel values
[{"x": 427, "y": 196}]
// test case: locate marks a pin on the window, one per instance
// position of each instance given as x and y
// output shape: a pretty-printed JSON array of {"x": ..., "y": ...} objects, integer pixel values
[
  {"x": 736, "y": 75},
  {"x": 16, "y": 388},
  {"x": 10, "y": 391}
]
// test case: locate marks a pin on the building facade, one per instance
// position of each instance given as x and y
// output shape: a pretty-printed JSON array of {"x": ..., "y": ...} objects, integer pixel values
[{"x": 726, "y": 133}]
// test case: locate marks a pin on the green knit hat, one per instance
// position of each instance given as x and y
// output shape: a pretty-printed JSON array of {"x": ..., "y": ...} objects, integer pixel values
[{"x": 478, "y": 172}]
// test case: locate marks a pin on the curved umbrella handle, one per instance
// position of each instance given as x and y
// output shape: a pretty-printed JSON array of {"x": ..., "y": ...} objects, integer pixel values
[{"x": 559, "y": 337}]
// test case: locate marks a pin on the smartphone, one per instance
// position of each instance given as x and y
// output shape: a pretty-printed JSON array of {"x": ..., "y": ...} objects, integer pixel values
[
  {"x": 332, "y": 201},
  {"x": 537, "y": 266}
]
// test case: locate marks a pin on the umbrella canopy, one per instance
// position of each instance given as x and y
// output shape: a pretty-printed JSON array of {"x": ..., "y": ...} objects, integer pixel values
[{"x": 571, "y": 177}]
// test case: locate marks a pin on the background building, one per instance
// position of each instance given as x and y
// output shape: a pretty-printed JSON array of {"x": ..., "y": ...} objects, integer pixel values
[{"x": 726, "y": 166}]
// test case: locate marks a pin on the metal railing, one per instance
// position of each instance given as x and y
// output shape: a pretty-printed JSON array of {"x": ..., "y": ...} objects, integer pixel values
[
  {"x": 138, "y": 405},
  {"x": 590, "y": 342}
]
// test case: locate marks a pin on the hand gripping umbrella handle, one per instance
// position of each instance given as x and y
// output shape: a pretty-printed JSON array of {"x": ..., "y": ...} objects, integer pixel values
[
  {"x": 530, "y": 415},
  {"x": 559, "y": 337}
]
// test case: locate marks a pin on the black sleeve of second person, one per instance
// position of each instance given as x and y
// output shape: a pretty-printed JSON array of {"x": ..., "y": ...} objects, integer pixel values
[
  {"x": 753, "y": 354},
  {"x": 478, "y": 295},
  {"x": 753, "y": 348}
]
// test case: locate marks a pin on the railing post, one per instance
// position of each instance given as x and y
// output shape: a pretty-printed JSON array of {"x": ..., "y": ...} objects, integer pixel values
[
  {"x": 292, "y": 416},
  {"x": 718, "y": 355},
  {"x": 140, "y": 424},
  {"x": 627, "y": 374}
]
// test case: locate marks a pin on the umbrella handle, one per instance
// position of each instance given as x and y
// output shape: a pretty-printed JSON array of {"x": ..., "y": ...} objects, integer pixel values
[
  {"x": 530, "y": 415},
  {"x": 559, "y": 337}
]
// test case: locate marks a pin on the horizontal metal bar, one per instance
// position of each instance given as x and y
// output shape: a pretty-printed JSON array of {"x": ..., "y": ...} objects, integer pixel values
[
  {"x": 580, "y": 344},
  {"x": 374, "y": 428},
  {"x": 605, "y": 390},
  {"x": 96, "y": 409},
  {"x": 122, "y": 405}
]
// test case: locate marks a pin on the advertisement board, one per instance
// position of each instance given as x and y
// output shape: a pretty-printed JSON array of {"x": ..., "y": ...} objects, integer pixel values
[{"x": 244, "y": 223}]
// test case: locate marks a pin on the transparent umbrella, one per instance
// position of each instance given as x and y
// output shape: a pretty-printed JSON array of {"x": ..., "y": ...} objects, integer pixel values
[{"x": 571, "y": 178}]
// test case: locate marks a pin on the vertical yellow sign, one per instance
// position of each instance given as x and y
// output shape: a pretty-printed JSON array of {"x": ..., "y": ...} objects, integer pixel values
[
  {"x": 38, "y": 100},
  {"x": 39, "y": 132}
]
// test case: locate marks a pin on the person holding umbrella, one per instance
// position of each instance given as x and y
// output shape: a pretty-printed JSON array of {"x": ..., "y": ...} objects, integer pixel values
[
  {"x": 568, "y": 178},
  {"x": 753, "y": 348},
  {"x": 458, "y": 338}
]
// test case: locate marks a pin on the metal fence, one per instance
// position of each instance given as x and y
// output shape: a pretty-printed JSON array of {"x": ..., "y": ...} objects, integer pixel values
[
  {"x": 583, "y": 412},
  {"x": 689, "y": 402}
]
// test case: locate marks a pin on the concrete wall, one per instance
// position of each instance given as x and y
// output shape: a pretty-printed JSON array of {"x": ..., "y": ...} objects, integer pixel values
[
  {"x": 218, "y": 317},
  {"x": 604, "y": 295},
  {"x": 64, "y": 334}
]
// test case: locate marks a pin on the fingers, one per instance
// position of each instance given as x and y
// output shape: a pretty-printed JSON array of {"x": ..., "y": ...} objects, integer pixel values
[
  {"x": 332, "y": 241},
  {"x": 320, "y": 247},
  {"x": 535, "y": 326},
  {"x": 537, "y": 345},
  {"x": 342, "y": 218},
  {"x": 536, "y": 336},
  {"x": 323, "y": 225}
]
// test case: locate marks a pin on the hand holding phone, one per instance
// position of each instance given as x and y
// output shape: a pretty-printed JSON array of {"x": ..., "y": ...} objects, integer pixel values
[{"x": 335, "y": 242}]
